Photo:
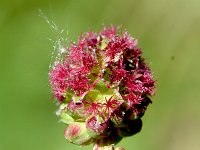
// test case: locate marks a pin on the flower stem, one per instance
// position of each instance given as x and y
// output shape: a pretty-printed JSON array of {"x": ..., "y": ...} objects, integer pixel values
[{"x": 110, "y": 147}]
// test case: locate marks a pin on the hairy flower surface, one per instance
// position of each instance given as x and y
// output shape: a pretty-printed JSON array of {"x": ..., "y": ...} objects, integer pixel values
[{"x": 103, "y": 87}]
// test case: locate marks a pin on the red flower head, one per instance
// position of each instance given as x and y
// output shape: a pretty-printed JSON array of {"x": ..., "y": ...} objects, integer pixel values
[{"x": 103, "y": 87}]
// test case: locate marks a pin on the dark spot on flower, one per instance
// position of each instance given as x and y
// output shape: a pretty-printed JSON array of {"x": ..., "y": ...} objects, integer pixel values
[{"x": 131, "y": 128}]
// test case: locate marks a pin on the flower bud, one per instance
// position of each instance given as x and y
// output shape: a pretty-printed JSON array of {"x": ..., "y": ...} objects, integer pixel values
[
  {"x": 97, "y": 147},
  {"x": 98, "y": 127},
  {"x": 110, "y": 147},
  {"x": 76, "y": 110},
  {"x": 77, "y": 133},
  {"x": 119, "y": 148}
]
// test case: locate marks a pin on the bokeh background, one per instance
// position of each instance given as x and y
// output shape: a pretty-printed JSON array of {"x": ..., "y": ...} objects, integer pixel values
[{"x": 169, "y": 34}]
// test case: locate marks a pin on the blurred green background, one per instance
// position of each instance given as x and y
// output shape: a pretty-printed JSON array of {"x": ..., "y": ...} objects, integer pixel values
[{"x": 169, "y": 34}]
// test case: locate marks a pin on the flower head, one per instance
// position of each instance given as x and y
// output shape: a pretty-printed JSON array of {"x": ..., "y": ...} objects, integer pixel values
[{"x": 103, "y": 87}]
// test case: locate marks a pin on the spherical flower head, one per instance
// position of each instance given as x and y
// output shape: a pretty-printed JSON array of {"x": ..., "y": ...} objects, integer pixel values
[{"x": 103, "y": 87}]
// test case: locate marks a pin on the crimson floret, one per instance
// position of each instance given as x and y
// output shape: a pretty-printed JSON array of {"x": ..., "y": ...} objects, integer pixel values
[{"x": 103, "y": 87}]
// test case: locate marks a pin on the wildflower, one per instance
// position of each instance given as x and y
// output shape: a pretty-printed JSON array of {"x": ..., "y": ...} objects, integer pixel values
[{"x": 103, "y": 87}]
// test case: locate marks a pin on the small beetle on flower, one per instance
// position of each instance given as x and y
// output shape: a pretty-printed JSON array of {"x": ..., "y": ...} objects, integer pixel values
[{"x": 103, "y": 88}]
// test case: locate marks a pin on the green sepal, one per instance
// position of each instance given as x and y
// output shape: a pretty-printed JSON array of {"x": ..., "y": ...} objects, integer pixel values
[
  {"x": 103, "y": 89},
  {"x": 76, "y": 98},
  {"x": 104, "y": 43},
  {"x": 68, "y": 95},
  {"x": 66, "y": 118}
]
